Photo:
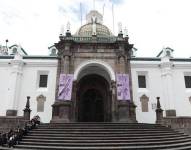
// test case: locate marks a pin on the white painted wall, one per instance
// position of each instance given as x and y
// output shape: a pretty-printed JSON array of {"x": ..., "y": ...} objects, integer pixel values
[
  {"x": 156, "y": 88},
  {"x": 4, "y": 85},
  {"x": 30, "y": 81},
  {"x": 152, "y": 70},
  {"x": 29, "y": 86}
]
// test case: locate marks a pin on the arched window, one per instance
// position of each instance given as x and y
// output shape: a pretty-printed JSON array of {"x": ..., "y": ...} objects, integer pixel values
[
  {"x": 190, "y": 99},
  {"x": 144, "y": 103},
  {"x": 40, "y": 103},
  {"x": 14, "y": 50},
  {"x": 53, "y": 52}
]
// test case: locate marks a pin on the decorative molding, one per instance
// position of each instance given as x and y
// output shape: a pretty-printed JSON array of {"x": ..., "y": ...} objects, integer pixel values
[{"x": 95, "y": 62}]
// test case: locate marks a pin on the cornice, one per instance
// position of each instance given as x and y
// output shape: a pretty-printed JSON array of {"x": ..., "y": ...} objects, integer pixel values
[{"x": 41, "y": 64}]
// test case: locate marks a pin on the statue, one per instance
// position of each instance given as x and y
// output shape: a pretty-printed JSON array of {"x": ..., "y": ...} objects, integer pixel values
[
  {"x": 68, "y": 27},
  {"x": 120, "y": 27},
  {"x": 94, "y": 25},
  {"x": 62, "y": 30},
  {"x": 126, "y": 32}
]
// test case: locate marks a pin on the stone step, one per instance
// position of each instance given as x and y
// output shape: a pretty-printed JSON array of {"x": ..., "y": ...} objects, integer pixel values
[
  {"x": 102, "y": 140},
  {"x": 101, "y": 129},
  {"x": 98, "y": 132},
  {"x": 104, "y": 137},
  {"x": 130, "y": 143},
  {"x": 99, "y": 125},
  {"x": 184, "y": 145}
]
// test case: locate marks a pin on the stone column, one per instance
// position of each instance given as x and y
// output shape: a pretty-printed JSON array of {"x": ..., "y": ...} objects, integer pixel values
[
  {"x": 132, "y": 111},
  {"x": 159, "y": 112},
  {"x": 62, "y": 108},
  {"x": 66, "y": 64},
  {"x": 15, "y": 85},
  {"x": 27, "y": 109},
  {"x": 113, "y": 99},
  {"x": 74, "y": 92},
  {"x": 167, "y": 76}
]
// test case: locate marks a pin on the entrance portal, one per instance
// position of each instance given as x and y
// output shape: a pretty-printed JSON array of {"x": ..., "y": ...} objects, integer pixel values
[
  {"x": 93, "y": 99},
  {"x": 92, "y": 106}
]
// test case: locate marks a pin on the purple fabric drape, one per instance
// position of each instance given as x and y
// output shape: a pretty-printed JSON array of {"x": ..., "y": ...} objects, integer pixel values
[
  {"x": 65, "y": 86},
  {"x": 123, "y": 89}
]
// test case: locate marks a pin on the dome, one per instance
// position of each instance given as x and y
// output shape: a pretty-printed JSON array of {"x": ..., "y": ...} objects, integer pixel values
[
  {"x": 94, "y": 26},
  {"x": 87, "y": 30}
]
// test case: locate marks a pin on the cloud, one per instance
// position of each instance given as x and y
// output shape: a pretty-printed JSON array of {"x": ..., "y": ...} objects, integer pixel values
[
  {"x": 117, "y": 1},
  {"x": 62, "y": 10},
  {"x": 151, "y": 24},
  {"x": 10, "y": 16}
]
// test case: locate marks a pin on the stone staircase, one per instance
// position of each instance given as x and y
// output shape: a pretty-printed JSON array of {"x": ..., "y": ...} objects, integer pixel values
[{"x": 104, "y": 136}]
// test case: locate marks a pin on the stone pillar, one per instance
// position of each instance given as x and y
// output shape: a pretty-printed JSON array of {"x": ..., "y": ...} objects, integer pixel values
[
  {"x": 159, "y": 112},
  {"x": 61, "y": 109},
  {"x": 27, "y": 109},
  {"x": 15, "y": 85},
  {"x": 167, "y": 76},
  {"x": 66, "y": 64},
  {"x": 74, "y": 92},
  {"x": 113, "y": 98},
  {"x": 61, "y": 112},
  {"x": 132, "y": 111},
  {"x": 123, "y": 111}
]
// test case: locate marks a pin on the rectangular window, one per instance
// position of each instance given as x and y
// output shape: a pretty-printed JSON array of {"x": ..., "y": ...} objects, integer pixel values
[
  {"x": 187, "y": 80},
  {"x": 43, "y": 81},
  {"x": 142, "y": 81}
]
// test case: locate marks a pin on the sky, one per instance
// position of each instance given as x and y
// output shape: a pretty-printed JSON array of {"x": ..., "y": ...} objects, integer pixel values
[{"x": 151, "y": 24}]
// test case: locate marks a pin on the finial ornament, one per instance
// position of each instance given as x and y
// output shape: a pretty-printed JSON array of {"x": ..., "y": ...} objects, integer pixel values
[
  {"x": 62, "y": 30},
  {"x": 68, "y": 27},
  {"x": 158, "y": 103},
  {"x": 94, "y": 25},
  {"x": 125, "y": 32},
  {"x": 120, "y": 27}
]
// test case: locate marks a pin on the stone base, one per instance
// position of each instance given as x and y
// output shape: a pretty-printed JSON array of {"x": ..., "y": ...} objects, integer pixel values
[
  {"x": 61, "y": 112},
  {"x": 171, "y": 113},
  {"x": 123, "y": 111},
  {"x": 11, "y": 112}
]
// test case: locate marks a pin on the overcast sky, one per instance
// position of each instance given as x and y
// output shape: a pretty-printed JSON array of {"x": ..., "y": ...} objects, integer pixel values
[{"x": 151, "y": 24}]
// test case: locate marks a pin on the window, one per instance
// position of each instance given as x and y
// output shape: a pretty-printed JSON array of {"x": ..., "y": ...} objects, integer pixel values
[
  {"x": 187, "y": 80},
  {"x": 43, "y": 81},
  {"x": 144, "y": 103},
  {"x": 40, "y": 103},
  {"x": 14, "y": 50},
  {"x": 190, "y": 99},
  {"x": 142, "y": 81}
]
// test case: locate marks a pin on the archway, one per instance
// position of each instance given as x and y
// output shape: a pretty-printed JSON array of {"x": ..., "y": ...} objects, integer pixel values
[
  {"x": 93, "y": 99},
  {"x": 92, "y": 106}
]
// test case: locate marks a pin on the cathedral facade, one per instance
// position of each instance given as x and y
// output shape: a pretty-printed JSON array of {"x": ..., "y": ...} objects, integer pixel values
[{"x": 93, "y": 76}]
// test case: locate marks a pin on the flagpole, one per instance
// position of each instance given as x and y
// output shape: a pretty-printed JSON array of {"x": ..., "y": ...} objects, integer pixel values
[
  {"x": 81, "y": 13},
  {"x": 93, "y": 4},
  {"x": 113, "y": 16}
]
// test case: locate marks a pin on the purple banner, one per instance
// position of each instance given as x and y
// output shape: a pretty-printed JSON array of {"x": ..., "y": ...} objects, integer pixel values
[
  {"x": 123, "y": 90},
  {"x": 65, "y": 86}
]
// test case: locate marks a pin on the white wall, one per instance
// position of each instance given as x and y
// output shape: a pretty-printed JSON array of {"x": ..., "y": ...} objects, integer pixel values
[
  {"x": 153, "y": 90},
  {"x": 30, "y": 87},
  {"x": 4, "y": 85},
  {"x": 156, "y": 88},
  {"x": 152, "y": 70},
  {"x": 182, "y": 94}
]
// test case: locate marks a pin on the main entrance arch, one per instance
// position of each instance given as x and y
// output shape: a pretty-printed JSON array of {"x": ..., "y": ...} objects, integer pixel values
[
  {"x": 93, "y": 94},
  {"x": 93, "y": 99}
]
